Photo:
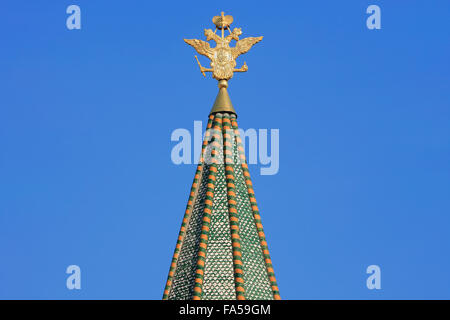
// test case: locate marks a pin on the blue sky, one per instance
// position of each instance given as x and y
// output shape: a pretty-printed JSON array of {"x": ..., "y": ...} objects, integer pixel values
[{"x": 85, "y": 123}]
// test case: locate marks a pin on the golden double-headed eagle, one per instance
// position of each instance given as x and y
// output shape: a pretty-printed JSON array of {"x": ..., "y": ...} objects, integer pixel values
[{"x": 222, "y": 56}]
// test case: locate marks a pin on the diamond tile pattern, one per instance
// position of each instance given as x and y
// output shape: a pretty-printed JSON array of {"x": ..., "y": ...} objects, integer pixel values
[{"x": 218, "y": 277}]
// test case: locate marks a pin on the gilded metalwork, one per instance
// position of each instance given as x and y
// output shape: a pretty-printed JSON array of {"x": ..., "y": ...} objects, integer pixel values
[
  {"x": 222, "y": 56},
  {"x": 223, "y": 101}
]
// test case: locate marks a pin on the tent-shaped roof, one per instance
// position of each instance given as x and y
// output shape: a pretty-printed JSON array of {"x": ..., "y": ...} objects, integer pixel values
[{"x": 221, "y": 250}]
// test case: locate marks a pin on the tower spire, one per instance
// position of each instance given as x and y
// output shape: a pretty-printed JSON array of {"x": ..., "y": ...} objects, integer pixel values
[{"x": 221, "y": 251}]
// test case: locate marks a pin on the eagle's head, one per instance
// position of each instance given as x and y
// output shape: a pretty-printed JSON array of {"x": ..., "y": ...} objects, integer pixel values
[
  {"x": 237, "y": 32},
  {"x": 209, "y": 34}
]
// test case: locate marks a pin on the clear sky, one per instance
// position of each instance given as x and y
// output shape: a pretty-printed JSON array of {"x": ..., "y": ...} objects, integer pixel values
[{"x": 86, "y": 117}]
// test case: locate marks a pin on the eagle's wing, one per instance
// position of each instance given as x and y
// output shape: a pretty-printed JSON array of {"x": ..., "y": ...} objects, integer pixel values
[
  {"x": 244, "y": 45},
  {"x": 202, "y": 47}
]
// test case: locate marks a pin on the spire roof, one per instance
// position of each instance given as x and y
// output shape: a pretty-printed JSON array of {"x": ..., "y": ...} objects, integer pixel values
[{"x": 221, "y": 251}]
